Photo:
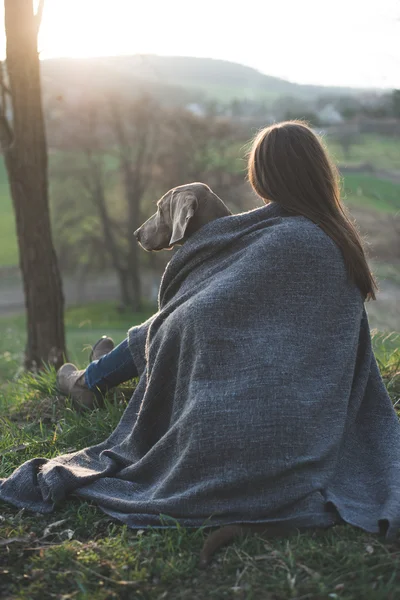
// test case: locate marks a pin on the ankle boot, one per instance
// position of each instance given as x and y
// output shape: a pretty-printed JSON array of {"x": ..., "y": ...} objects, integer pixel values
[
  {"x": 71, "y": 382},
  {"x": 102, "y": 347}
]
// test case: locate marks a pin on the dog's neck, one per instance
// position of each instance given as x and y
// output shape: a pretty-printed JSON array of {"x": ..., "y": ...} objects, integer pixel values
[
  {"x": 219, "y": 210},
  {"x": 202, "y": 218}
]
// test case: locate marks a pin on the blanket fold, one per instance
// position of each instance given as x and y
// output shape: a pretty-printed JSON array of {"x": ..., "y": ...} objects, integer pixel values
[{"x": 259, "y": 397}]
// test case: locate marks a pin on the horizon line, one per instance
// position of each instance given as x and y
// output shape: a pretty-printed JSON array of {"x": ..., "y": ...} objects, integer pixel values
[{"x": 144, "y": 54}]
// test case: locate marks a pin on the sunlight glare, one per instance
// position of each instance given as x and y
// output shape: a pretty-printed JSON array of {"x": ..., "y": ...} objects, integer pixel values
[{"x": 334, "y": 43}]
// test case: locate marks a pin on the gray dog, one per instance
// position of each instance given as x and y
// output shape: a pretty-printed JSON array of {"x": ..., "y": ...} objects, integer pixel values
[{"x": 180, "y": 212}]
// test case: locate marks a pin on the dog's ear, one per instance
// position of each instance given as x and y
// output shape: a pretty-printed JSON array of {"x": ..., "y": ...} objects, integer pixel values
[{"x": 184, "y": 205}]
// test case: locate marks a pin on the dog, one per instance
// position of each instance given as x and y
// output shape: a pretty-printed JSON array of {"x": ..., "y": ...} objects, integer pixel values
[{"x": 180, "y": 212}]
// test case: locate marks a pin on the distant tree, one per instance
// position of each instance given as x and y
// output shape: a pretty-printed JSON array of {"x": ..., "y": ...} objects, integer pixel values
[
  {"x": 346, "y": 141},
  {"x": 25, "y": 153},
  {"x": 135, "y": 129},
  {"x": 89, "y": 237},
  {"x": 235, "y": 108},
  {"x": 396, "y": 103},
  {"x": 348, "y": 106},
  {"x": 347, "y": 135},
  {"x": 304, "y": 115},
  {"x": 195, "y": 148},
  {"x": 97, "y": 190},
  {"x": 325, "y": 99},
  {"x": 260, "y": 110},
  {"x": 118, "y": 160},
  {"x": 289, "y": 108},
  {"x": 212, "y": 108}
]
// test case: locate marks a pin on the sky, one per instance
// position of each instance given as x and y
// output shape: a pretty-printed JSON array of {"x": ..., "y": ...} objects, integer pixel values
[{"x": 342, "y": 42}]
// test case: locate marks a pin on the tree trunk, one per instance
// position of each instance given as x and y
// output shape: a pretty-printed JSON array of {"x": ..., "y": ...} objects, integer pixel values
[
  {"x": 26, "y": 162},
  {"x": 111, "y": 246},
  {"x": 97, "y": 195},
  {"x": 123, "y": 279},
  {"x": 132, "y": 171}
]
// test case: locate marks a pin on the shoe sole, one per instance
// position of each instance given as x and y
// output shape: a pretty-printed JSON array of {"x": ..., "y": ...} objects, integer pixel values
[{"x": 96, "y": 346}]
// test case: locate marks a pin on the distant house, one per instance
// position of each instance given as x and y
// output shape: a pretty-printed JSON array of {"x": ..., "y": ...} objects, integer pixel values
[
  {"x": 196, "y": 109},
  {"x": 329, "y": 115}
]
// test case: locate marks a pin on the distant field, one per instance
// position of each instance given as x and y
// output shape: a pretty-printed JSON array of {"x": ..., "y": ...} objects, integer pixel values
[
  {"x": 8, "y": 240},
  {"x": 371, "y": 192},
  {"x": 381, "y": 152}
]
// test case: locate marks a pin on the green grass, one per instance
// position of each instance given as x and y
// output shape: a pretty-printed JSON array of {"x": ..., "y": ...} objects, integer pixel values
[
  {"x": 8, "y": 238},
  {"x": 78, "y": 552},
  {"x": 103, "y": 560},
  {"x": 390, "y": 272},
  {"x": 371, "y": 192},
  {"x": 84, "y": 326},
  {"x": 380, "y": 151}
]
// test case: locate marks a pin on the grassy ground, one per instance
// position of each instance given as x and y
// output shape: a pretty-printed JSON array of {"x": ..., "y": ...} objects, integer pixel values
[
  {"x": 380, "y": 151},
  {"x": 78, "y": 552},
  {"x": 387, "y": 272},
  {"x": 366, "y": 191},
  {"x": 8, "y": 239}
]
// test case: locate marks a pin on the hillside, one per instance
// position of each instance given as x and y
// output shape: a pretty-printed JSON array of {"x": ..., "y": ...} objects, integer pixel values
[{"x": 180, "y": 76}]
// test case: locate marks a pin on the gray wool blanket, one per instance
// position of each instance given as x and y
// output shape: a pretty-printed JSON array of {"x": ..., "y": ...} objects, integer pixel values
[{"x": 259, "y": 397}]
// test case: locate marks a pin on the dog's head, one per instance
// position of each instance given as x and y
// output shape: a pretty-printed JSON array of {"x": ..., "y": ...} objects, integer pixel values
[{"x": 180, "y": 212}]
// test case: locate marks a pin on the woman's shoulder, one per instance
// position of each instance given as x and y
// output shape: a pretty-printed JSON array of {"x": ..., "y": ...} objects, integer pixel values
[
  {"x": 303, "y": 247},
  {"x": 305, "y": 234},
  {"x": 297, "y": 240}
]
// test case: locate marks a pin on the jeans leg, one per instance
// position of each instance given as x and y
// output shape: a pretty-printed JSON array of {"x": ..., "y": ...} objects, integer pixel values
[{"x": 112, "y": 369}]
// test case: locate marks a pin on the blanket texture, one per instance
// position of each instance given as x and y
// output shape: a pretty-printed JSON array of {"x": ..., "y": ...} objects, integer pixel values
[{"x": 259, "y": 397}]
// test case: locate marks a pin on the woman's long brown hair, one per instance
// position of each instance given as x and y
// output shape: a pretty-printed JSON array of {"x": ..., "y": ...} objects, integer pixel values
[{"x": 289, "y": 165}]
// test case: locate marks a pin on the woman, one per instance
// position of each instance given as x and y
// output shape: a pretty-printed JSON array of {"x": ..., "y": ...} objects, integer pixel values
[
  {"x": 259, "y": 398},
  {"x": 289, "y": 166}
]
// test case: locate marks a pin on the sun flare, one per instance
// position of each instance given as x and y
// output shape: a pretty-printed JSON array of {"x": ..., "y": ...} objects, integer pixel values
[
  {"x": 348, "y": 43},
  {"x": 86, "y": 28}
]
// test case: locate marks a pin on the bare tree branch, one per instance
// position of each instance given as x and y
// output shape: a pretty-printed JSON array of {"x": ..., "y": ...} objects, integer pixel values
[
  {"x": 6, "y": 135},
  {"x": 39, "y": 15},
  {"x": 116, "y": 121},
  {"x": 3, "y": 99},
  {"x": 4, "y": 89}
]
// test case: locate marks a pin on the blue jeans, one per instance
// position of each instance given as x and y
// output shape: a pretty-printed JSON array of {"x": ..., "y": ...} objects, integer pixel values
[{"x": 111, "y": 369}]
